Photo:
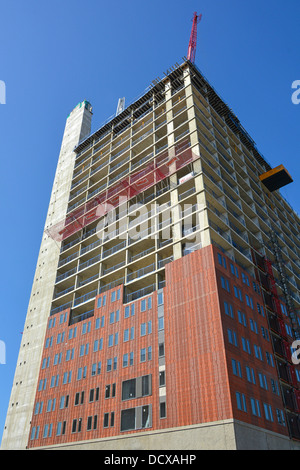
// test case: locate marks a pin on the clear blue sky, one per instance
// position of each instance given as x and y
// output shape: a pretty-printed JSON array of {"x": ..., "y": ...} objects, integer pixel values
[{"x": 57, "y": 53}]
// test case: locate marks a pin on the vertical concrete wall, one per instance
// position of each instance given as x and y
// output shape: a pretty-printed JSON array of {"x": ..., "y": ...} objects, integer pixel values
[{"x": 15, "y": 434}]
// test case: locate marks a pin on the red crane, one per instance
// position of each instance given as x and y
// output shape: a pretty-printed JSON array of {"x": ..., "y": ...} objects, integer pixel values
[{"x": 193, "y": 39}]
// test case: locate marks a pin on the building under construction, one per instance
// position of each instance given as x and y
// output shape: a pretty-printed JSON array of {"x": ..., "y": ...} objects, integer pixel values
[{"x": 165, "y": 302}]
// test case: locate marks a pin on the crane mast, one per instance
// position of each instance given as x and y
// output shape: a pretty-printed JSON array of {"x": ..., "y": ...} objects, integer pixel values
[{"x": 191, "y": 55}]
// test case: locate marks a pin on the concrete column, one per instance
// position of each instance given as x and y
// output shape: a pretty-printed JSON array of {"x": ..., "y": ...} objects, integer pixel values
[{"x": 15, "y": 435}]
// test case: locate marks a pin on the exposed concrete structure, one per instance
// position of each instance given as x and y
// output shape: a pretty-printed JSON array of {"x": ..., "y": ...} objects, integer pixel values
[{"x": 17, "y": 425}]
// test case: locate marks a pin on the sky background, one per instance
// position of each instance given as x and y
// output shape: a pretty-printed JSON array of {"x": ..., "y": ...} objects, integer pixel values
[{"x": 56, "y": 53}]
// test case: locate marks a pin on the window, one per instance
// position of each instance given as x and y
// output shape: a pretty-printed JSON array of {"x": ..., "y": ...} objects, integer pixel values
[
  {"x": 257, "y": 352},
  {"x": 57, "y": 359},
  {"x": 268, "y": 412},
  {"x": 84, "y": 350},
  {"x": 98, "y": 345},
  {"x": 275, "y": 387},
  {"x": 249, "y": 301},
  {"x": 162, "y": 410},
  {"x": 47, "y": 430},
  {"x": 241, "y": 402},
  {"x": 146, "y": 328},
  {"x": 234, "y": 270},
  {"x": 161, "y": 350},
  {"x": 236, "y": 368},
  {"x": 128, "y": 419},
  {"x": 255, "y": 408},
  {"x": 131, "y": 358},
  {"x": 81, "y": 373},
  {"x": 246, "y": 345},
  {"x": 114, "y": 317},
  {"x": 127, "y": 311},
  {"x": 106, "y": 420},
  {"x": 67, "y": 377},
  {"x": 49, "y": 342},
  {"x": 137, "y": 387},
  {"x": 63, "y": 318},
  {"x": 126, "y": 335},
  {"x": 162, "y": 378},
  {"x": 125, "y": 360},
  {"x": 46, "y": 362},
  {"x": 90, "y": 425},
  {"x": 260, "y": 309},
  {"x": 283, "y": 309},
  {"x": 60, "y": 338},
  {"x": 232, "y": 337},
  {"x": 115, "y": 295},
  {"x": 280, "y": 417},
  {"x": 143, "y": 305},
  {"x": 79, "y": 398},
  {"x": 58, "y": 429},
  {"x": 42, "y": 385},
  {"x": 86, "y": 328},
  {"x": 245, "y": 279},
  {"x": 242, "y": 318},
  {"x": 39, "y": 407},
  {"x": 160, "y": 298},
  {"x": 143, "y": 355},
  {"x": 265, "y": 333},
  {"x": 160, "y": 323},
  {"x": 128, "y": 389},
  {"x": 54, "y": 381},
  {"x": 35, "y": 433},
  {"x": 136, "y": 418},
  {"x": 72, "y": 332},
  {"x": 225, "y": 284},
  {"x": 64, "y": 402},
  {"x": 228, "y": 309},
  {"x": 70, "y": 354},
  {"x": 109, "y": 365},
  {"x": 222, "y": 260},
  {"x": 250, "y": 375},
  {"x": 238, "y": 293},
  {"x": 76, "y": 428},
  {"x": 256, "y": 287},
  {"x": 253, "y": 325},
  {"x": 289, "y": 330},
  {"x": 99, "y": 322},
  {"x": 263, "y": 381}
]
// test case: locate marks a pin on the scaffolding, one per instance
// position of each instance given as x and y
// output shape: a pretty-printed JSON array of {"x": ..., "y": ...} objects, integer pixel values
[{"x": 160, "y": 168}]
